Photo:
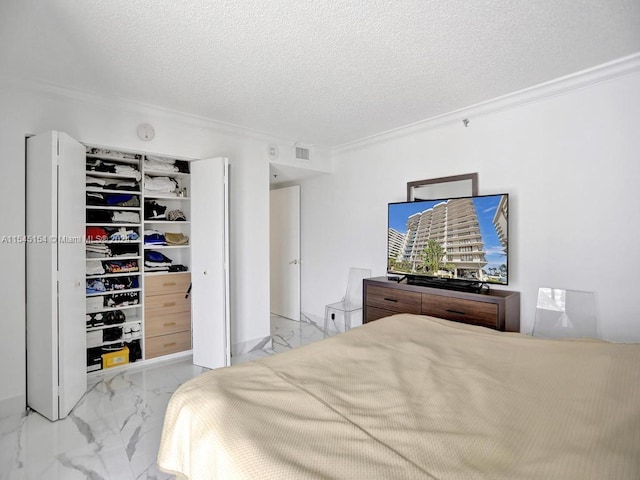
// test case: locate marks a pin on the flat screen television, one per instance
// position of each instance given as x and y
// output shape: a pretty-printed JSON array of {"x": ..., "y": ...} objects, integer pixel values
[{"x": 459, "y": 243}]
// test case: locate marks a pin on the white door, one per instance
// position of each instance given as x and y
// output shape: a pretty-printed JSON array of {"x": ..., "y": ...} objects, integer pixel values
[
  {"x": 209, "y": 263},
  {"x": 56, "y": 339},
  {"x": 284, "y": 228},
  {"x": 72, "y": 340}
]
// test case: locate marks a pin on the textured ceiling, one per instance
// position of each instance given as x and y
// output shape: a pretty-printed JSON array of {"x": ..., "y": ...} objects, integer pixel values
[{"x": 322, "y": 72}]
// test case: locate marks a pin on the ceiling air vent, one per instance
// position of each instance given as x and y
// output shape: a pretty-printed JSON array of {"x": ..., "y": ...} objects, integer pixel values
[{"x": 302, "y": 153}]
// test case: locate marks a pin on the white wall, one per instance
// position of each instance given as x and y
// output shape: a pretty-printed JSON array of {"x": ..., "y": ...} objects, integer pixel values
[
  {"x": 570, "y": 163},
  {"x": 95, "y": 121}
]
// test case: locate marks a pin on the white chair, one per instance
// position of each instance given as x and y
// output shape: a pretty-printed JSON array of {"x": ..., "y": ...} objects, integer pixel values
[
  {"x": 565, "y": 314},
  {"x": 350, "y": 303}
]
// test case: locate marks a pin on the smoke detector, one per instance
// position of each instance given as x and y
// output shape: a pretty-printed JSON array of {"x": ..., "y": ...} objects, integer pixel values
[{"x": 272, "y": 152}]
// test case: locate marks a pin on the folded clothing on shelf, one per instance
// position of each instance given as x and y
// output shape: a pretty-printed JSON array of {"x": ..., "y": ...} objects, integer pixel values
[
  {"x": 94, "y": 267},
  {"x": 112, "y": 153},
  {"x": 99, "y": 216},
  {"x": 153, "y": 256},
  {"x": 95, "y": 182},
  {"x": 95, "y": 286},
  {"x": 154, "y": 237},
  {"x": 101, "y": 166},
  {"x": 178, "y": 268},
  {"x": 112, "y": 199},
  {"x": 160, "y": 185},
  {"x": 109, "y": 216},
  {"x": 123, "y": 250},
  {"x": 121, "y": 283},
  {"x": 160, "y": 164},
  {"x": 176, "y": 238},
  {"x": 153, "y": 162},
  {"x": 95, "y": 198},
  {"x": 121, "y": 299},
  {"x": 96, "y": 234},
  {"x": 155, "y": 261},
  {"x": 111, "y": 284},
  {"x": 176, "y": 216},
  {"x": 123, "y": 234},
  {"x": 97, "y": 250},
  {"x": 126, "y": 217},
  {"x": 154, "y": 211},
  {"x": 120, "y": 266},
  {"x": 124, "y": 185}
]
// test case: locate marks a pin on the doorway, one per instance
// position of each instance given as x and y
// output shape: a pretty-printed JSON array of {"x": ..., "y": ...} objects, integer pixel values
[{"x": 284, "y": 228}]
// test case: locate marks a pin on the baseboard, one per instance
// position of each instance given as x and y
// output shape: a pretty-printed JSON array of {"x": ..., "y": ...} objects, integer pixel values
[{"x": 13, "y": 405}]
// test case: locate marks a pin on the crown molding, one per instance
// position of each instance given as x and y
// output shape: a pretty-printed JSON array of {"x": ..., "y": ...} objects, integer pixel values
[
  {"x": 601, "y": 73},
  {"x": 137, "y": 108},
  {"x": 585, "y": 78}
]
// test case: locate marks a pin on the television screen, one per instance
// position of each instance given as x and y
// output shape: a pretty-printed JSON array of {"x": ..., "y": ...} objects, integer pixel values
[{"x": 457, "y": 238}]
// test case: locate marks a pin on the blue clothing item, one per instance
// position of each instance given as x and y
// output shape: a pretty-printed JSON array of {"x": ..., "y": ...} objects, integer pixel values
[
  {"x": 153, "y": 256},
  {"x": 95, "y": 286},
  {"x": 154, "y": 239},
  {"x": 123, "y": 234},
  {"x": 118, "y": 198}
]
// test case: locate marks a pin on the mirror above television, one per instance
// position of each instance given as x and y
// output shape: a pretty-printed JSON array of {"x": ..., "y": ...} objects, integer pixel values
[{"x": 443, "y": 187}]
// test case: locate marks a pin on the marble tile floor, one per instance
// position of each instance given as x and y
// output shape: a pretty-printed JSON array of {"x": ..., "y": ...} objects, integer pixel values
[{"x": 114, "y": 431}]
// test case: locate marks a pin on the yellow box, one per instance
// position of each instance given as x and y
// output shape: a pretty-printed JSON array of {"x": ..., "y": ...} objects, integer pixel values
[{"x": 113, "y": 359}]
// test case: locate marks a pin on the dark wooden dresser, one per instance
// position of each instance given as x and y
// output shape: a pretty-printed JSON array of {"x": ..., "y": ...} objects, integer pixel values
[{"x": 497, "y": 309}]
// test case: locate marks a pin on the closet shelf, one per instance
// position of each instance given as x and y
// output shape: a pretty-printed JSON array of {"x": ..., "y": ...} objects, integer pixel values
[
  {"x": 127, "y": 176},
  {"x": 172, "y": 222},
  {"x": 111, "y": 292},
  {"x": 114, "y": 207},
  {"x": 153, "y": 274},
  {"x": 112, "y": 242},
  {"x": 112, "y": 190},
  {"x": 162, "y": 173},
  {"x": 165, "y": 197},
  {"x": 128, "y": 161},
  {"x": 113, "y": 309},
  {"x": 120, "y": 340},
  {"x": 113, "y": 275},
  {"x": 114, "y": 224},
  {"x": 128, "y": 322}
]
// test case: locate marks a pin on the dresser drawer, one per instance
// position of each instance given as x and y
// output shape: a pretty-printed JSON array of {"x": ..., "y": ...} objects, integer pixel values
[
  {"x": 460, "y": 310},
  {"x": 166, "y": 304},
  {"x": 163, "y": 324},
  {"x": 374, "y": 313},
  {"x": 166, "y": 344},
  {"x": 164, "y": 284},
  {"x": 393, "y": 300}
]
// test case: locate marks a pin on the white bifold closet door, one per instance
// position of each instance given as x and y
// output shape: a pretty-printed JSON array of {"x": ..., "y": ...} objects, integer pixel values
[
  {"x": 56, "y": 339},
  {"x": 210, "y": 320}
]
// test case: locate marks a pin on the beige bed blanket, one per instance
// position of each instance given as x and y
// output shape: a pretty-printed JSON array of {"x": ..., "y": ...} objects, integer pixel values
[{"x": 413, "y": 397}]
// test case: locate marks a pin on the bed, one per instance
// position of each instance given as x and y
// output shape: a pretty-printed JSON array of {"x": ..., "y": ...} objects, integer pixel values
[{"x": 413, "y": 397}]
